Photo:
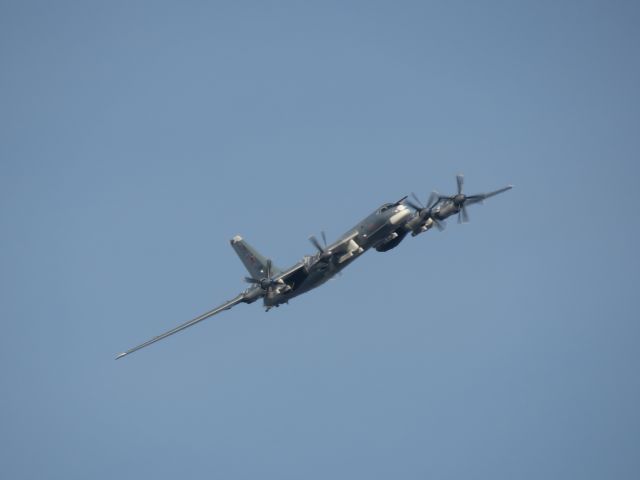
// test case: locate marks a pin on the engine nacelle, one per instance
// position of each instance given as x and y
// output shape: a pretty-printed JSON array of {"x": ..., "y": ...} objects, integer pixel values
[
  {"x": 352, "y": 249},
  {"x": 391, "y": 241},
  {"x": 422, "y": 228}
]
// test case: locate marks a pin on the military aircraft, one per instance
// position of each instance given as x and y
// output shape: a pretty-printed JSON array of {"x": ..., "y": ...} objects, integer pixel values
[{"x": 382, "y": 230}]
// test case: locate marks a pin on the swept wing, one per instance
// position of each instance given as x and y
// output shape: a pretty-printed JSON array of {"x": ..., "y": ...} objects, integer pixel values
[{"x": 225, "y": 306}]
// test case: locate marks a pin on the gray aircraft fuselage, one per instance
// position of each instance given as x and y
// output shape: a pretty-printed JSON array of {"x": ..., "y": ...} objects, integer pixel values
[{"x": 376, "y": 228}]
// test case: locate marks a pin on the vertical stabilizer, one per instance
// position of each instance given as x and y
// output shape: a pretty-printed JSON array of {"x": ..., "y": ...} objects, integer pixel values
[{"x": 255, "y": 263}]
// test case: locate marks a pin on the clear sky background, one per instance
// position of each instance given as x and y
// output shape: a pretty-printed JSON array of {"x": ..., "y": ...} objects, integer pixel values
[{"x": 136, "y": 138}]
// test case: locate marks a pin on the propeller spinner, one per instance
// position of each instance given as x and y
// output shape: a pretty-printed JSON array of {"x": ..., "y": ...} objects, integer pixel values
[{"x": 427, "y": 212}]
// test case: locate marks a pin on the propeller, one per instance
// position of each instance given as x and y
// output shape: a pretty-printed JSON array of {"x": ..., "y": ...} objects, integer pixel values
[
  {"x": 325, "y": 254},
  {"x": 266, "y": 283},
  {"x": 460, "y": 200},
  {"x": 426, "y": 212}
]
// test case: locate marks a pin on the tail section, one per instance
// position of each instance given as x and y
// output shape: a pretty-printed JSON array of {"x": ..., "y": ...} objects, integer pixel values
[{"x": 255, "y": 263}]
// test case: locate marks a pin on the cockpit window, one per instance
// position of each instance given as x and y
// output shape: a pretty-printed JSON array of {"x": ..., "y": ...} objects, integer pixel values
[{"x": 385, "y": 207}]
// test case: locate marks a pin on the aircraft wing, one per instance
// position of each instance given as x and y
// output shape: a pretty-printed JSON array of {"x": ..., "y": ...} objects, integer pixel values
[
  {"x": 294, "y": 275},
  {"x": 471, "y": 199},
  {"x": 342, "y": 244},
  {"x": 225, "y": 306}
]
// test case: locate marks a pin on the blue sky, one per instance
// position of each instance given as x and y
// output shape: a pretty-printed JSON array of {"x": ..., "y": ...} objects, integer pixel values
[{"x": 136, "y": 138}]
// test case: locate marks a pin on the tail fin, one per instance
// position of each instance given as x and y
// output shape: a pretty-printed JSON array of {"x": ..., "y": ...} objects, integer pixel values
[{"x": 255, "y": 263}]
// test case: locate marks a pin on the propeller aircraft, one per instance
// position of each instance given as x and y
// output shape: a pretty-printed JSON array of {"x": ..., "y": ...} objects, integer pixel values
[{"x": 381, "y": 230}]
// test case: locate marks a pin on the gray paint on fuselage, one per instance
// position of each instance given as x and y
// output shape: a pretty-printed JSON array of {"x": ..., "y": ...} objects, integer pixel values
[{"x": 370, "y": 231}]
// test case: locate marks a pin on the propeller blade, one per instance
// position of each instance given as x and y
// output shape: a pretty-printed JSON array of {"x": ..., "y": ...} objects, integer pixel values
[
  {"x": 443, "y": 197},
  {"x": 413, "y": 205},
  {"x": 324, "y": 238},
  {"x": 465, "y": 214},
  {"x": 269, "y": 268},
  {"x": 251, "y": 280},
  {"x": 417, "y": 200},
  {"x": 316, "y": 243},
  {"x": 440, "y": 225},
  {"x": 460, "y": 182},
  {"x": 434, "y": 197}
]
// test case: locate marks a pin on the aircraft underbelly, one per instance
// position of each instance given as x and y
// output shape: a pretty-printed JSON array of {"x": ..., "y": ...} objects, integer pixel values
[{"x": 313, "y": 280}]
